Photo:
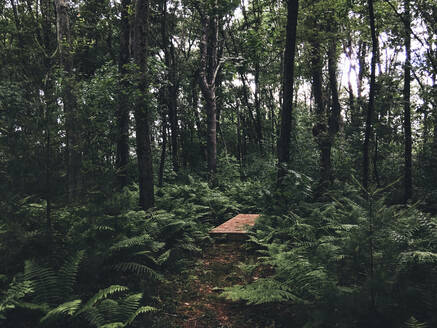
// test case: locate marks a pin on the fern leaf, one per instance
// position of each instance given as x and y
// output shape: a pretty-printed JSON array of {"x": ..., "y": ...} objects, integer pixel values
[
  {"x": 143, "y": 309},
  {"x": 68, "y": 308},
  {"x": 139, "y": 269},
  {"x": 113, "y": 325},
  {"x": 68, "y": 272},
  {"x": 34, "y": 306},
  {"x": 130, "y": 304},
  {"x": 264, "y": 290},
  {"x": 413, "y": 323},
  {"x": 163, "y": 257},
  {"x": 102, "y": 294},
  {"x": 45, "y": 282}
]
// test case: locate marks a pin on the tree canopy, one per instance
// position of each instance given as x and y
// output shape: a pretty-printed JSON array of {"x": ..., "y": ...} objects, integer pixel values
[{"x": 129, "y": 128}]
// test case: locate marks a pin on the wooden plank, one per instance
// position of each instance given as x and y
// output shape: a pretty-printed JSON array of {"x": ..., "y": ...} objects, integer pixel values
[{"x": 236, "y": 225}]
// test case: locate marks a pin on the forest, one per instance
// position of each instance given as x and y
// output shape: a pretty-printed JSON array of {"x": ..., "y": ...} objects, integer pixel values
[{"x": 130, "y": 128}]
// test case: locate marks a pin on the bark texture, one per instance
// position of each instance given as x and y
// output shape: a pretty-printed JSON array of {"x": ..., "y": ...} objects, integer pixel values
[
  {"x": 123, "y": 100},
  {"x": 74, "y": 156},
  {"x": 287, "y": 102},
  {"x": 371, "y": 104},
  {"x": 209, "y": 66},
  {"x": 144, "y": 153},
  {"x": 408, "y": 181}
]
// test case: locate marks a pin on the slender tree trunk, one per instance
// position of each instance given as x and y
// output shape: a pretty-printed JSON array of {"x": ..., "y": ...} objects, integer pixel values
[
  {"x": 272, "y": 121},
  {"x": 334, "y": 115},
  {"x": 408, "y": 183},
  {"x": 208, "y": 73},
  {"x": 144, "y": 152},
  {"x": 287, "y": 103},
  {"x": 74, "y": 157},
  {"x": 370, "y": 108},
  {"x": 45, "y": 38},
  {"x": 239, "y": 157},
  {"x": 259, "y": 134},
  {"x": 163, "y": 150},
  {"x": 123, "y": 100},
  {"x": 172, "y": 90},
  {"x": 320, "y": 129}
]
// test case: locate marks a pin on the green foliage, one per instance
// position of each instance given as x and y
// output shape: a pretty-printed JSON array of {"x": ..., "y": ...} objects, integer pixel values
[
  {"x": 413, "y": 323},
  {"x": 67, "y": 308},
  {"x": 262, "y": 291},
  {"x": 348, "y": 248},
  {"x": 203, "y": 204},
  {"x": 14, "y": 295}
]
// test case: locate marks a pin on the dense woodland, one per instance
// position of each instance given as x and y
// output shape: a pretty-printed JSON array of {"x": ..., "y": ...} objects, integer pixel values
[{"x": 130, "y": 128}]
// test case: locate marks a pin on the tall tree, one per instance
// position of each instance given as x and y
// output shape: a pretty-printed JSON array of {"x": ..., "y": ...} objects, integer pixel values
[
  {"x": 287, "y": 102},
  {"x": 209, "y": 66},
  {"x": 371, "y": 104},
  {"x": 69, "y": 99},
  {"x": 123, "y": 98},
  {"x": 408, "y": 183},
  {"x": 172, "y": 84},
  {"x": 144, "y": 152}
]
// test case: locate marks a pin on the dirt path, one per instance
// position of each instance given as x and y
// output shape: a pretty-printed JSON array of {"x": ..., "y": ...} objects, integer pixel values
[{"x": 198, "y": 304}]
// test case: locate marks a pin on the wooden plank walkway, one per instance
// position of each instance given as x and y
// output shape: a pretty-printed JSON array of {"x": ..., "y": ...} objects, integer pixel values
[{"x": 236, "y": 225}]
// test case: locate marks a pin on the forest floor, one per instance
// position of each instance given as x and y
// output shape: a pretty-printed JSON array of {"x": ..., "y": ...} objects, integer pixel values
[{"x": 196, "y": 293}]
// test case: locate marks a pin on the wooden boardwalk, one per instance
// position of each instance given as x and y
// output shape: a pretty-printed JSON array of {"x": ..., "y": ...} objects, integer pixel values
[{"x": 236, "y": 225}]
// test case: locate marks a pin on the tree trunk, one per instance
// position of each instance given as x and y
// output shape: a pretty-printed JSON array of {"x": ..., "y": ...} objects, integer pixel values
[
  {"x": 370, "y": 108},
  {"x": 320, "y": 129},
  {"x": 408, "y": 183},
  {"x": 208, "y": 73},
  {"x": 123, "y": 100},
  {"x": 259, "y": 134},
  {"x": 172, "y": 89},
  {"x": 74, "y": 157},
  {"x": 272, "y": 121},
  {"x": 172, "y": 110},
  {"x": 287, "y": 102},
  {"x": 144, "y": 152},
  {"x": 163, "y": 150}
]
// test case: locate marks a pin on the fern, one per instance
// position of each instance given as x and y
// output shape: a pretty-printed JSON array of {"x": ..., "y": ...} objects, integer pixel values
[
  {"x": 102, "y": 294},
  {"x": 68, "y": 308},
  {"x": 141, "y": 310},
  {"x": 413, "y": 323},
  {"x": 101, "y": 311},
  {"x": 139, "y": 269},
  {"x": 45, "y": 281},
  {"x": 15, "y": 293},
  {"x": 68, "y": 272},
  {"x": 260, "y": 292},
  {"x": 142, "y": 240}
]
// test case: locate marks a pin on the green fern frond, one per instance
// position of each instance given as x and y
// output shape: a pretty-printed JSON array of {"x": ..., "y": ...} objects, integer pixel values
[
  {"x": 137, "y": 268},
  {"x": 104, "y": 228},
  {"x": 34, "y": 306},
  {"x": 137, "y": 241},
  {"x": 68, "y": 272},
  {"x": 264, "y": 290},
  {"x": 413, "y": 323},
  {"x": 68, "y": 308},
  {"x": 14, "y": 294},
  {"x": 93, "y": 316},
  {"x": 113, "y": 325},
  {"x": 102, "y": 294},
  {"x": 110, "y": 310},
  {"x": 143, "y": 309},
  {"x": 164, "y": 257},
  {"x": 45, "y": 282},
  {"x": 130, "y": 304}
]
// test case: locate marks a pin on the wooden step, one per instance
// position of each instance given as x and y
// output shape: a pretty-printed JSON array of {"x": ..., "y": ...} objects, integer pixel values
[{"x": 237, "y": 226}]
